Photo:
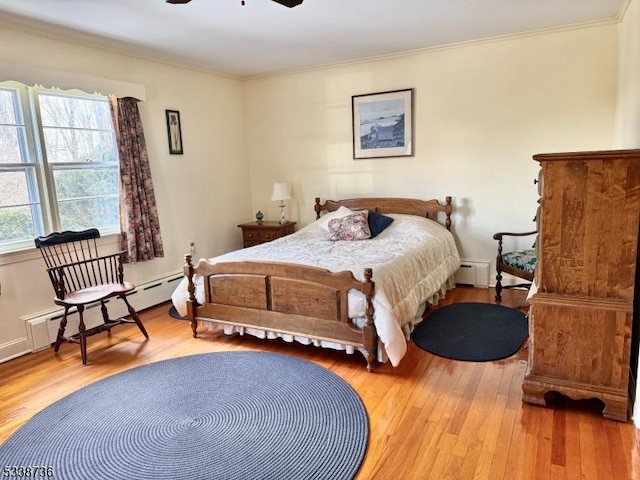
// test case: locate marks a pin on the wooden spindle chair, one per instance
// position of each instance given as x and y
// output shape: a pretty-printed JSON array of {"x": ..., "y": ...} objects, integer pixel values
[
  {"x": 81, "y": 277},
  {"x": 521, "y": 264}
]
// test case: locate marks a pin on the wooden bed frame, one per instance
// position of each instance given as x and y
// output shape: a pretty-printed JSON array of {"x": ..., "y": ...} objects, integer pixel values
[{"x": 295, "y": 299}]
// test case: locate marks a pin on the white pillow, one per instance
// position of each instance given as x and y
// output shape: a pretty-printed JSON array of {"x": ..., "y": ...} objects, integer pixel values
[{"x": 323, "y": 222}]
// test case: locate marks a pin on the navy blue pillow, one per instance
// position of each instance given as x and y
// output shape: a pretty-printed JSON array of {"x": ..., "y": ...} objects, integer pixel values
[{"x": 378, "y": 222}]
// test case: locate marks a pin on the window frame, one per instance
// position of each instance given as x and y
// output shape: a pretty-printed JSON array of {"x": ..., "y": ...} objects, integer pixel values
[{"x": 27, "y": 106}]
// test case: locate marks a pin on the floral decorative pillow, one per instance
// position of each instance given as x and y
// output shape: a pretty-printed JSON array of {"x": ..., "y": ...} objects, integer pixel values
[{"x": 351, "y": 227}]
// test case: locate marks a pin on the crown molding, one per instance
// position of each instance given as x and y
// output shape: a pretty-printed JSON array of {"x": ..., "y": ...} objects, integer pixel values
[
  {"x": 79, "y": 39},
  {"x": 623, "y": 9},
  {"x": 440, "y": 48},
  {"x": 29, "y": 27}
]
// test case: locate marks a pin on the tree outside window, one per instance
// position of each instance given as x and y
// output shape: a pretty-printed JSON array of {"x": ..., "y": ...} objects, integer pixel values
[{"x": 58, "y": 164}]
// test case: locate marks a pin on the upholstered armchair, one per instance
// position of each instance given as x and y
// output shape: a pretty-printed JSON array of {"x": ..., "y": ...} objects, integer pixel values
[{"x": 521, "y": 263}]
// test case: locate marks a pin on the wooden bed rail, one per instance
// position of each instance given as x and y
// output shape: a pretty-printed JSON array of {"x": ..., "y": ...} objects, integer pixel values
[{"x": 283, "y": 297}]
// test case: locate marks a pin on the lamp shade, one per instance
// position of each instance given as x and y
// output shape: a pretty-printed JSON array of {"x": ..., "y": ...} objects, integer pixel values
[{"x": 280, "y": 192}]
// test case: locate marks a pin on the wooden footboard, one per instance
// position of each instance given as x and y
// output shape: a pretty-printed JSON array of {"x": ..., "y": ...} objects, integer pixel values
[{"x": 283, "y": 297}]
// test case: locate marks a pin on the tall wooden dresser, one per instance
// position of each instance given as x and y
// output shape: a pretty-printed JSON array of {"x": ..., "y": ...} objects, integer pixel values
[{"x": 582, "y": 315}]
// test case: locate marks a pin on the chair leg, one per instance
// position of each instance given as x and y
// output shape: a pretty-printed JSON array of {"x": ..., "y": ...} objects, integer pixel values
[
  {"x": 104, "y": 312},
  {"x": 81, "y": 332},
  {"x": 61, "y": 328},
  {"x": 499, "y": 286},
  {"x": 135, "y": 316},
  {"x": 105, "y": 315}
]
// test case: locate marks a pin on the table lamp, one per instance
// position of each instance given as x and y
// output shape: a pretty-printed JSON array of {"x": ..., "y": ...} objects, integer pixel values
[{"x": 280, "y": 194}]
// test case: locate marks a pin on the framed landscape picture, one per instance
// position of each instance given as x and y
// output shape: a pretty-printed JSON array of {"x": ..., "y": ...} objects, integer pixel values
[{"x": 383, "y": 124}]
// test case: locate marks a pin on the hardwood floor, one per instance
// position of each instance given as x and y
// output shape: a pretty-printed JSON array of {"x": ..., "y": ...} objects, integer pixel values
[{"x": 430, "y": 418}]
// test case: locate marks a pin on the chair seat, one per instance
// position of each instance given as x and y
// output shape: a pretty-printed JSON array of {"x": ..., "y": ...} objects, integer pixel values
[
  {"x": 95, "y": 294},
  {"x": 524, "y": 259}
]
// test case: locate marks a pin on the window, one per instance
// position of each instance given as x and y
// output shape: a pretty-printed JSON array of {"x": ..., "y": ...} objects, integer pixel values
[{"x": 58, "y": 164}]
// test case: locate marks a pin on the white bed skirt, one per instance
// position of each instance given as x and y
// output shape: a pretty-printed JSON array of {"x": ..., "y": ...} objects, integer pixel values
[{"x": 407, "y": 328}]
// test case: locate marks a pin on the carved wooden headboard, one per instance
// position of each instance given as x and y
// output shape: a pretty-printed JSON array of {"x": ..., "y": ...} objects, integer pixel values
[{"x": 407, "y": 206}]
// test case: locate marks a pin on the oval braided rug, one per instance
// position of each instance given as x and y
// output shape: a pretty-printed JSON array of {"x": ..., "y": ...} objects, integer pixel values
[
  {"x": 476, "y": 332},
  {"x": 229, "y": 415}
]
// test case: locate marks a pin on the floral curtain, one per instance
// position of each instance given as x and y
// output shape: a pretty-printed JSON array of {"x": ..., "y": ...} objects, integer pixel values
[{"x": 139, "y": 223}]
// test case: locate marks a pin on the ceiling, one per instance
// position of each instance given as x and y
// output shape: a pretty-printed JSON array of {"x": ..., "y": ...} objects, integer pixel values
[{"x": 264, "y": 37}]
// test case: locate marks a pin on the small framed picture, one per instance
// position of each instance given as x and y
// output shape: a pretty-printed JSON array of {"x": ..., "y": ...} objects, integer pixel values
[
  {"x": 174, "y": 132},
  {"x": 383, "y": 124}
]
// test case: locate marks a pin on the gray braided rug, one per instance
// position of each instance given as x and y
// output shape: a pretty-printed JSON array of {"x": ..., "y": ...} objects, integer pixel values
[{"x": 229, "y": 415}]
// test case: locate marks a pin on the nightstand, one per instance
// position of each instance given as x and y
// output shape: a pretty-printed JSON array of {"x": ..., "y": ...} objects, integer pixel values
[{"x": 254, "y": 233}]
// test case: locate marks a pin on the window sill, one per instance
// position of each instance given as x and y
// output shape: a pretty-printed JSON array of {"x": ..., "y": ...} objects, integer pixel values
[{"x": 32, "y": 253}]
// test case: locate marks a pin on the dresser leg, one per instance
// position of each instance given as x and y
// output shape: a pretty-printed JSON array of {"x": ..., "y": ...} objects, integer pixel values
[
  {"x": 535, "y": 389},
  {"x": 615, "y": 410},
  {"x": 533, "y": 392}
]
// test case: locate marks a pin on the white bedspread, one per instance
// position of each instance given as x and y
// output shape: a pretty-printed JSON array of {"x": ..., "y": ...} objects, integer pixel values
[{"x": 413, "y": 262}]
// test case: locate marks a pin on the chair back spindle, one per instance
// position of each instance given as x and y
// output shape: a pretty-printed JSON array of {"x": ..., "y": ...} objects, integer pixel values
[{"x": 74, "y": 263}]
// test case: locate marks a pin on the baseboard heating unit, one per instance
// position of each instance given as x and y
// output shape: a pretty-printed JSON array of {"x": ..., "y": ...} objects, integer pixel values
[
  {"x": 473, "y": 272},
  {"x": 42, "y": 328}
]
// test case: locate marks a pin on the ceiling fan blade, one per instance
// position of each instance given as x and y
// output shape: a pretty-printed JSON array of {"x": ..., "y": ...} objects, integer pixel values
[
  {"x": 289, "y": 3},
  {"x": 286, "y": 3}
]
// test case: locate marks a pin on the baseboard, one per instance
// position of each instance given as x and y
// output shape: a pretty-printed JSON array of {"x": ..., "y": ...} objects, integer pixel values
[
  {"x": 42, "y": 327},
  {"x": 13, "y": 349}
]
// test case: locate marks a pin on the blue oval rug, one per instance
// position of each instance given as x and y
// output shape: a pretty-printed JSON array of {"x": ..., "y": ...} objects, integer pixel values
[
  {"x": 173, "y": 312},
  {"x": 228, "y": 415},
  {"x": 475, "y": 332}
]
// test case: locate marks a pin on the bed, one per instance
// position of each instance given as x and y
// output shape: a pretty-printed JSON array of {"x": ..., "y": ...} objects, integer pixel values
[{"x": 364, "y": 295}]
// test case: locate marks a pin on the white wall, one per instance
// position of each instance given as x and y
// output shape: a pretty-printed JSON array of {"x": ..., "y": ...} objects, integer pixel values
[
  {"x": 628, "y": 111},
  {"x": 214, "y": 165},
  {"x": 481, "y": 111}
]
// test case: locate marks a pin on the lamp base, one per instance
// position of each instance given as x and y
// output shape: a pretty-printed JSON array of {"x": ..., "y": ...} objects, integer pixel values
[{"x": 283, "y": 219}]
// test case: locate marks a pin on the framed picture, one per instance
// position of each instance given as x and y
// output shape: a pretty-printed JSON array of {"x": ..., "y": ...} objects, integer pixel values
[
  {"x": 174, "y": 132},
  {"x": 383, "y": 124}
]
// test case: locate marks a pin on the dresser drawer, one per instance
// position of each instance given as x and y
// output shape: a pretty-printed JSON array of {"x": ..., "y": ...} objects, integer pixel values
[{"x": 254, "y": 233}]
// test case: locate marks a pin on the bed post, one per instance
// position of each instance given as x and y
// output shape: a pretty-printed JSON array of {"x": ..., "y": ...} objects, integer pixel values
[
  {"x": 369, "y": 334},
  {"x": 191, "y": 288},
  {"x": 317, "y": 208},
  {"x": 448, "y": 209}
]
